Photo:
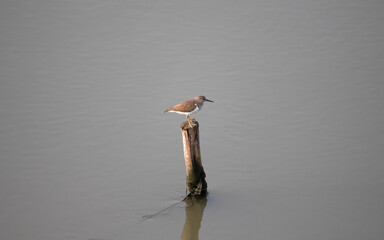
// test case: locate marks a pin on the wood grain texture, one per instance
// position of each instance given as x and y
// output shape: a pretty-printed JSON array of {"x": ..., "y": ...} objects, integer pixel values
[{"x": 196, "y": 184}]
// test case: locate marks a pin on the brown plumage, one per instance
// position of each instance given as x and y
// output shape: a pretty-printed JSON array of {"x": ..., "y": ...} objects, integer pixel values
[{"x": 188, "y": 107}]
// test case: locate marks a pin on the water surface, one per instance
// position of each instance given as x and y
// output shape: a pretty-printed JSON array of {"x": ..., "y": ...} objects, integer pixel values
[{"x": 292, "y": 146}]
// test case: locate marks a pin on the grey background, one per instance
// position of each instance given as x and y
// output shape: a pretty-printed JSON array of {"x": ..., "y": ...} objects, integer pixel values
[{"x": 292, "y": 146}]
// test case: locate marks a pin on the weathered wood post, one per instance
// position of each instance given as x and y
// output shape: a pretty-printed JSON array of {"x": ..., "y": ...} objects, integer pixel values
[{"x": 196, "y": 184}]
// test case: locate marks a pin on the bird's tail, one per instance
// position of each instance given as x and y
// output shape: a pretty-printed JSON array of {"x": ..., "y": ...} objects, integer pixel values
[{"x": 166, "y": 110}]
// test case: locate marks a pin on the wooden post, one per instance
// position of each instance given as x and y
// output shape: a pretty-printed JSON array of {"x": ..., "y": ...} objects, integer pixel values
[{"x": 196, "y": 184}]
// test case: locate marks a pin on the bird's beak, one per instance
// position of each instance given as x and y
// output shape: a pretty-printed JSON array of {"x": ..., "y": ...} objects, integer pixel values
[{"x": 209, "y": 100}]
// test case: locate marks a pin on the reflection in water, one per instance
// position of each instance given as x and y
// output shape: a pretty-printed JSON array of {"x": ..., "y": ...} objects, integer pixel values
[{"x": 193, "y": 215}]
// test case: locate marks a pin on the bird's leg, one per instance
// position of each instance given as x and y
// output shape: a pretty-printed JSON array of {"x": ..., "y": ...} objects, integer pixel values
[{"x": 189, "y": 121}]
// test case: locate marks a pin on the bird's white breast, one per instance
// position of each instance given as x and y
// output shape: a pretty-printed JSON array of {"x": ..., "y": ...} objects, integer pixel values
[
  {"x": 187, "y": 113},
  {"x": 196, "y": 110}
]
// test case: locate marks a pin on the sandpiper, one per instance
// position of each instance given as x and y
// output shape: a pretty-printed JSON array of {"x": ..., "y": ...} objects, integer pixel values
[{"x": 188, "y": 107}]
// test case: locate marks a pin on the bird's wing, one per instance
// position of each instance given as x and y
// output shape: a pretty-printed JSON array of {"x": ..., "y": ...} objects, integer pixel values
[{"x": 187, "y": 106}]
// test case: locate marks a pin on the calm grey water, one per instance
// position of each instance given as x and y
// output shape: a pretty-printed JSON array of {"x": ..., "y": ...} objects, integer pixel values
[{"x": 292, "y": 146}]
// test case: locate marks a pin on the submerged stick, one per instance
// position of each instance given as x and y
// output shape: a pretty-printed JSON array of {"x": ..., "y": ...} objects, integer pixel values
[{"x": 146, "y": 217}]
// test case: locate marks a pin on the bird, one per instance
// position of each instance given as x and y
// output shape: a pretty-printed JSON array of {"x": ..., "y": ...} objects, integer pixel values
[{"x": 189, "y": 107}]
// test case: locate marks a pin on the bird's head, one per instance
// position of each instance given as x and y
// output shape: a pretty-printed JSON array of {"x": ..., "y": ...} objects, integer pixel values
[{"x": 204, "y": 99}]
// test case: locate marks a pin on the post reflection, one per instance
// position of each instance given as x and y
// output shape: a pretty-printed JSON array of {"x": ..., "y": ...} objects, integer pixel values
[{"x": 194, "y": 209}]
